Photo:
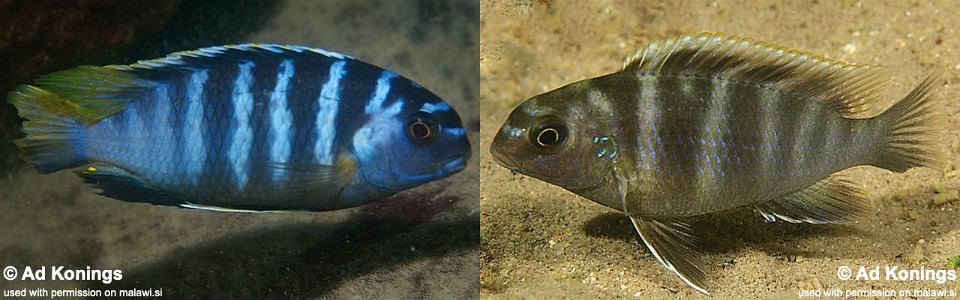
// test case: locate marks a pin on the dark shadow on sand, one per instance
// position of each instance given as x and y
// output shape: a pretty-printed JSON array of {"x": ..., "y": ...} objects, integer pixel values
[
  {"x": 297, "y": 260},
  {"x": 736, "y": 229},
  {"x": 730, "y": 231},
  {"x": 310, "y": 260}
]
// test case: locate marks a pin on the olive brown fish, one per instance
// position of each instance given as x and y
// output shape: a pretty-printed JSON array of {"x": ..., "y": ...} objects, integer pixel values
[
  {"x": 705, "y": 123},
  {"x": 251, "y": 127}
]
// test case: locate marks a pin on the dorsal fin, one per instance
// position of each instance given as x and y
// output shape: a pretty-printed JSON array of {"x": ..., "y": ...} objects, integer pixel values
[
  {"x": 847, "y": 88},
  {"x": 104, "y": 91},
  {"x": 203, "y": 57}
]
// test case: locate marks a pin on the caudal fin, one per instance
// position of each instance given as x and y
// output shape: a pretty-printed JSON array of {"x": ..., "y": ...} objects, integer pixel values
[
  {"x": 913, "y": 124},
  {"x": 52, "y": 127}
]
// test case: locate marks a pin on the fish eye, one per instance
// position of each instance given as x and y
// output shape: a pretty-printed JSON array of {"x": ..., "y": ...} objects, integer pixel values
[
  {"x": 550, "y": 134},
  {"x": 421, "y": 127},
  {"x": 420, "y": 130}
]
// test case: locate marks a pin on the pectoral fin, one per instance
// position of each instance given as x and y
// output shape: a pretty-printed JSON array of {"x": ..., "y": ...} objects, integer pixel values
[
  {"x": 297, "y": 179},
  {"x": 306, "y": 179},
  {"x": 831, "y": 200},
  {"x": 673, "y": 244}
]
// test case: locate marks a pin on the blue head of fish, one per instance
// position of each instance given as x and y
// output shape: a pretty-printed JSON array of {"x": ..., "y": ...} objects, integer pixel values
[{"x": 410, "y": 140}]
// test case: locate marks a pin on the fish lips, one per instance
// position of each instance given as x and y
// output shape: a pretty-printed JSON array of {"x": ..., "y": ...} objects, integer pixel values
[
  {"x": 504, "y": 160},
  {"x": 507, "y": 161},
  {"x": 455, "y": 165},
  {"x": 499, "y": 155},
  {"x": 399, "y": 180}
]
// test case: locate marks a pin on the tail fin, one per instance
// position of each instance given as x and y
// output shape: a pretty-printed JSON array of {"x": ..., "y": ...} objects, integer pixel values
[
  {"x": 53, "y": 131},
  {"x": 913, "y": 124}
]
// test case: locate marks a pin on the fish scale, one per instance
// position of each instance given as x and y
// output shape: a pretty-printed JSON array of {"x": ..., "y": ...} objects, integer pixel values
[
  {"x": 693, "y": 159},
  {"x": 706, "y": 123},
  {"x": 242, "y": 128}
]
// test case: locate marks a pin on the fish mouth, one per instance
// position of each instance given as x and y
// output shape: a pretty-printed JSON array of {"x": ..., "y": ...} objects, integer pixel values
[
  {"x": 454, "y": 165},
  {"x": 504, "y": 160}
]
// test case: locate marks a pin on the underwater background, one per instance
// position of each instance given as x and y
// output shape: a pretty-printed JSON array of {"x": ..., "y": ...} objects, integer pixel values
[
  {"x": 422, "y": 243},
  {"x": 539, "y": 241}
]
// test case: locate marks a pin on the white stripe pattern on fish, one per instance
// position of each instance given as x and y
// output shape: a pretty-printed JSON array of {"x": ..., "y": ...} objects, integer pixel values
[
  {"x": 281, "y": 119},
  {"x": 242, "y": 139},
  {"x": 326, "y": 118}
]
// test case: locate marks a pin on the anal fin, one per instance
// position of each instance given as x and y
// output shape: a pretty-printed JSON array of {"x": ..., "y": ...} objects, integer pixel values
[
  {"x": 674, "y": 246},
  {"x": 121, "y": 184},
  {"x": 831, "y": 200}
]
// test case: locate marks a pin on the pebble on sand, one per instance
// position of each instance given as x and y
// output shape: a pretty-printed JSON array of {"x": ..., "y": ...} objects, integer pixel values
[{"x": 946, "y": 197}]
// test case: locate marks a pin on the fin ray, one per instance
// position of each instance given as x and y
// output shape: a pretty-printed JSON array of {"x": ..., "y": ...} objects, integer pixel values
[
  {"x": 674, "y": 246},
  {"x": 913, "y": 124},
  {"x": 53, "y": 134},
  {"x": 238, "y": 210},
  {"x": 122, "y": 184},
  {"x": 299, "y": 180},
  {"x": 100, "y": 91},
  {"x": 831, "y": 200},
  {"x": 223, "y": 55},
  {"x": 104, "y": 91},
  {"x": 845, "y": 87}
]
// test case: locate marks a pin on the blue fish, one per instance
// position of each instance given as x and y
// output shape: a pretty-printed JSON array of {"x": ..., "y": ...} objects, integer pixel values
[{"x": 253, "y": 127}]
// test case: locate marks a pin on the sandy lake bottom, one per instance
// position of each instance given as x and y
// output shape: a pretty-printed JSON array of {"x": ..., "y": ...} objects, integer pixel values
[{"x": 539, "y": 241}]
